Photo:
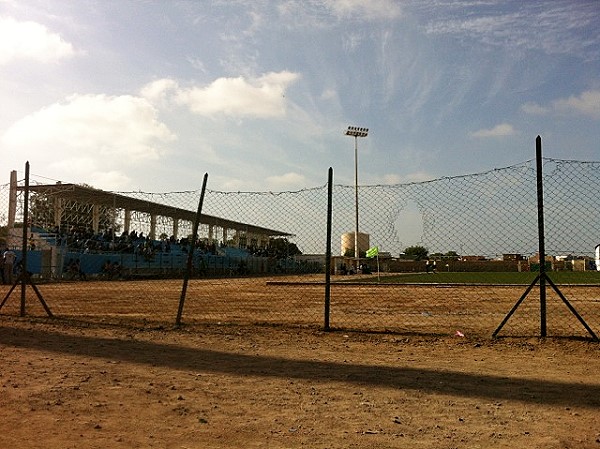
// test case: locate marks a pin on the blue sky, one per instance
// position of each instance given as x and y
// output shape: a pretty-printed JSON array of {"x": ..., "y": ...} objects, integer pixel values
[{"x": 150, "y": 95}]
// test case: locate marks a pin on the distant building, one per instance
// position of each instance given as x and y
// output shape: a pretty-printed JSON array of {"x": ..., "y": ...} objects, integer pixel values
[
  {"x": 536, "y": 258},
  {"x": 472, "y": 258}
]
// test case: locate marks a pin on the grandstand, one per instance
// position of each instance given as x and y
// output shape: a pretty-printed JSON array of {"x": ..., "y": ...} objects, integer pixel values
[{"x": 76, "y": 225}]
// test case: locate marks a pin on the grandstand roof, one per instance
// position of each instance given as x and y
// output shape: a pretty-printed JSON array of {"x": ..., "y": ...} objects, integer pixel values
[{"x": 91, "y": 195}]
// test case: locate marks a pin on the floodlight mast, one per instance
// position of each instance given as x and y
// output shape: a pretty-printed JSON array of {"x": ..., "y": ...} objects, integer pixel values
[{"x": 356, "y": 132}]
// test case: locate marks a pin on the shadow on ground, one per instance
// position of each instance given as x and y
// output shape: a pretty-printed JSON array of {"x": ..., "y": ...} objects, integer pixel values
[{"x": 235, "y": 364}]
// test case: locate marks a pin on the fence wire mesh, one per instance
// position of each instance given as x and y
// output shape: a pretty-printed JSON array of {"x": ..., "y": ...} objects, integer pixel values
[{"x": 454, "y": 254}]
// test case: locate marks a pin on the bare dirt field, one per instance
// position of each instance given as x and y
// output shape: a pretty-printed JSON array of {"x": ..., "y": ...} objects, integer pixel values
[
  {"x": 67, "y": 383},
  {"x": 425, "y": 309}
]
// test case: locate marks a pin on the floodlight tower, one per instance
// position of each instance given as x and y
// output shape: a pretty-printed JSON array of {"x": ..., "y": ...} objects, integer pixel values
[{"x": 356, "y": 132}]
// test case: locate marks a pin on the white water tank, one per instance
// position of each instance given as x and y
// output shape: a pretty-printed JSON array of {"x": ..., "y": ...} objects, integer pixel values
[{"x": 347, "y": 245}]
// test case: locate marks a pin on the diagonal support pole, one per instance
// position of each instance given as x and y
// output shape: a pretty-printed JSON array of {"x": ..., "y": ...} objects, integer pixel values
[
  {"x": 516, "y": 306},
  {"x": 542, "y": 277},
  {"x": 571, "y": 308},
  {"x": 561, "y": 296},
  {"x": 24, "y": 277}
]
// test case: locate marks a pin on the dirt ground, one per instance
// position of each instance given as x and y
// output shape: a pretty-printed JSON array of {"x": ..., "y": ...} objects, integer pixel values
[
  {"x": 238, "y": 386},
  {"x": 426, "y": 309}
]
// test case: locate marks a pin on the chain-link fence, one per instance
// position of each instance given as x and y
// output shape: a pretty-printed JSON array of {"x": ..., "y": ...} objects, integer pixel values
[{"x": 447, "y": 255}]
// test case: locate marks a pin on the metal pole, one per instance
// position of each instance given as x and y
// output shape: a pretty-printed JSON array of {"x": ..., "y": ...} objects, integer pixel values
[
  {"x": 24, "y": 242},
  {"x": 541, "y": 235},
  {"x": 328, "y": 250},
  {"x": 188, "y": 270},
  {"x": 356, "y": 132},
  {"x": 356, "y": 252}
]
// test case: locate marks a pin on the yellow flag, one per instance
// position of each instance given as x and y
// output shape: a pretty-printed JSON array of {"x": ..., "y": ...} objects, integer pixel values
[{"x": 372, "y": 252}]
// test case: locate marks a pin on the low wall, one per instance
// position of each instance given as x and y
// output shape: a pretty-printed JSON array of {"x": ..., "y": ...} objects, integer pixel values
[{"x": 408, "y": 266}]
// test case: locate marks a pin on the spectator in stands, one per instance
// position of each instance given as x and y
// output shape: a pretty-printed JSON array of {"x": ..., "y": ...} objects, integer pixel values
[
  {"x": 9, "y": 261},
  {"x": 2, "y": 268},
  {"x": 18, "y": 269},
  {"x": 116, "y": 270},
  {"x": 67, "y": 267},
  {"x": 107, "y": 269},
  {"x": 78, "y": 271}
]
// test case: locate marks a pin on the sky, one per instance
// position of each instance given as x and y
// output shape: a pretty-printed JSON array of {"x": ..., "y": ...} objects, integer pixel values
[{"x": 145, "y": 95}]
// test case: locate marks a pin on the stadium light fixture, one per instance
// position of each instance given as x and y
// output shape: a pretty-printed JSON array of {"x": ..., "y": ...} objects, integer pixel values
[{"x": 356, "y": 132}]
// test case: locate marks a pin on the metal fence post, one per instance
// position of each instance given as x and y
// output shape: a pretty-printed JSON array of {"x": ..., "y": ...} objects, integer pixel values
[
  {"x": 188, "y": 270},
  {"x": 328, "y": 250},
  {"x": 541, "y": 235},
  {"x": 24, "y": 242}
]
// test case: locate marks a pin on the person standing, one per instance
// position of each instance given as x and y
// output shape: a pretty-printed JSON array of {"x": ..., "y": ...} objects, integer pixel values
[
  {"x": 9, "y": 258},
  {"x": 2, "y": 268}
]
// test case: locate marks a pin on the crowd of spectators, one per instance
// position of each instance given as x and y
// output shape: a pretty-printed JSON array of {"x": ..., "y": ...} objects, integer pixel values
[
  {"x": 83, "y": 240},
  {"x": 80, "y": 239}
]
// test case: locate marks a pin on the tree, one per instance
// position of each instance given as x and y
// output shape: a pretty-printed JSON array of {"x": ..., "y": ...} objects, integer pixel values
[
  {"x": 281, "y": 248},
  {"x": 452, "y": 255},
  {"x": 417, "y": 252}
]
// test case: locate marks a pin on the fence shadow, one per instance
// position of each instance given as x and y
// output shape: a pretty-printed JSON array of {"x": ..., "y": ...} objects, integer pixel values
[{"x": 470, "y": 385}]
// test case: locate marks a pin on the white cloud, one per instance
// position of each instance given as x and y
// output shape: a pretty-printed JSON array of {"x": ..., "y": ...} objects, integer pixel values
[
  {"x": 197, "y": 64},
  {"x": 123, "y": 126},
  {"x": 256, "y": 23},
  {"x": 113, "y": 178},
  {"x": 372, "y": 9},
  {"x": 323, "y": 14},
  {"x": 157, "y": 92},
  {"x": 501, "y": 130},
  {"x": 555, "y": 28},
  {"x": 30, "y": 40},
  {"x": 587, "y": 103},
  {"x": 262, "y": 97},
  {"x": 286, "y": 181},
  {"x": 329, "y": 94},
  {"x": 89, "y": 135},
  {"x": 534, "y": 109},
  {"x": 420, "y": 176},
  {"x": 87, "y": 170}
]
